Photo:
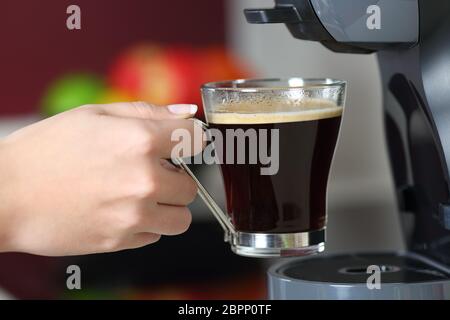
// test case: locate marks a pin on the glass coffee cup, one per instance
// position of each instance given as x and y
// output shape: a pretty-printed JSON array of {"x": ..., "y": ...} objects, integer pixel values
[{"x": 274, "y": 140}]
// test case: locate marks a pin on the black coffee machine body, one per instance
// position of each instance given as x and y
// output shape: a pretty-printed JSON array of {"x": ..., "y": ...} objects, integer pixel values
[{"x": 412, "y": 41}]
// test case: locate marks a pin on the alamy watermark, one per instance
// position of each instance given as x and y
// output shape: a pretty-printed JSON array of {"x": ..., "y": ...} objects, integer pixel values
[
  {"x": 374, "y": 20},
  {"x": 374, "y": 280},
  {"x": 73, "y": 21},
  {"x": 73, "y": 281},
  {"x": 235, "y": 146}
]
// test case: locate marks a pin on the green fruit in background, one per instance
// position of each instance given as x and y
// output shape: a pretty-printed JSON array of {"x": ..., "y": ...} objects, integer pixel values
[{"x": 72, "y": 91}]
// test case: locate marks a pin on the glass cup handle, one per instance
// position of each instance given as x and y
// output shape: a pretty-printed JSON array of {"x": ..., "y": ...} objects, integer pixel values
[{"x": 212, "y": 205}]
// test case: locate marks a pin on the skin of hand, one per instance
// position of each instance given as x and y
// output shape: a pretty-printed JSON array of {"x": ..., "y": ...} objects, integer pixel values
[{"x": 94, "y": 179}]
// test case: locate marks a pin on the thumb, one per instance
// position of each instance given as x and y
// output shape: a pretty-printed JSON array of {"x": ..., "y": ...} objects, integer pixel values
[{"x": 143, "y": 110}]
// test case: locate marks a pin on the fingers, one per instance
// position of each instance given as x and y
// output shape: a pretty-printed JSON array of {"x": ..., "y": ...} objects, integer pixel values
[
  {"x": 140, "y": 240},
  {"x": 166, "y": 132},
  {"x": 175, "y": 187},
  {"x": 157, "y": 192},
  {"x": 179, "y": 138},
  {"x": 164, "y": 138},
  {"x": 143, "y": 110},
  {"x": 165, "y": 220},
  {"x": 145, "y": 224}
]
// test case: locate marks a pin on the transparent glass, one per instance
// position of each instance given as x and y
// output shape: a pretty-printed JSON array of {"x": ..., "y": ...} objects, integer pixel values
[{"x": 277, "y": 141}]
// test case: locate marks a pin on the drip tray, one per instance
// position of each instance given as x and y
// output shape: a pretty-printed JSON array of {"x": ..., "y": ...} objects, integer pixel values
[{"x": 402, "y": 276}]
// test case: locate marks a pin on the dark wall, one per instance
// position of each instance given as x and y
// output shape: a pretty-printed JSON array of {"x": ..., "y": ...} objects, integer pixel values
[{"x": 36, "y": 47}]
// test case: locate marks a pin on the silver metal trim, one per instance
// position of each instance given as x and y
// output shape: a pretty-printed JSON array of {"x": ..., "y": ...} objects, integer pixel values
[{"x": 278, "y": 244}]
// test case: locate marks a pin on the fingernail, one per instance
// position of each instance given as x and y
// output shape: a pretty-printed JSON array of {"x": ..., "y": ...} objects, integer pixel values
[{"x": 183, "y": 108}]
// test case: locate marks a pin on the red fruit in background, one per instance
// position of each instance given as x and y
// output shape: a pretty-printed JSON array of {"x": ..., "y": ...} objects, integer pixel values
[
  {"x": 110, "y": 95},
  {"x": 126, "y": 73},
  {"x": 217, "y": 63},
  {"x": 171, "y": 74},
  {"x": 186, "y": 76},
  {"x": 159, "y": 75}
]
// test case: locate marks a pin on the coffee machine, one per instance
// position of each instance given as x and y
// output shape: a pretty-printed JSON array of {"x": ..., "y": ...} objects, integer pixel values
[{"x": 411, "y": 39}]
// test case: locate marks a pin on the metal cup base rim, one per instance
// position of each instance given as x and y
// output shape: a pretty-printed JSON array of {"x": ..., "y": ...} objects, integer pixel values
[{"x": 273, "y": 245}]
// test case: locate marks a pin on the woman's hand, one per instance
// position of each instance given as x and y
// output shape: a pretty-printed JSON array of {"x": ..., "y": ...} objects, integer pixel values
[{"x": 94, "y": 180}]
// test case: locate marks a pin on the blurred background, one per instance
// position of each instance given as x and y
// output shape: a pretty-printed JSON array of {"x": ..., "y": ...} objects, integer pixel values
[{"x": 161, "y": 52}]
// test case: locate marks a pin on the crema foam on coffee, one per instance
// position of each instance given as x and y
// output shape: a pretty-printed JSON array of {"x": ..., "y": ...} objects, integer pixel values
[{"x": 248, "y": 112}]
